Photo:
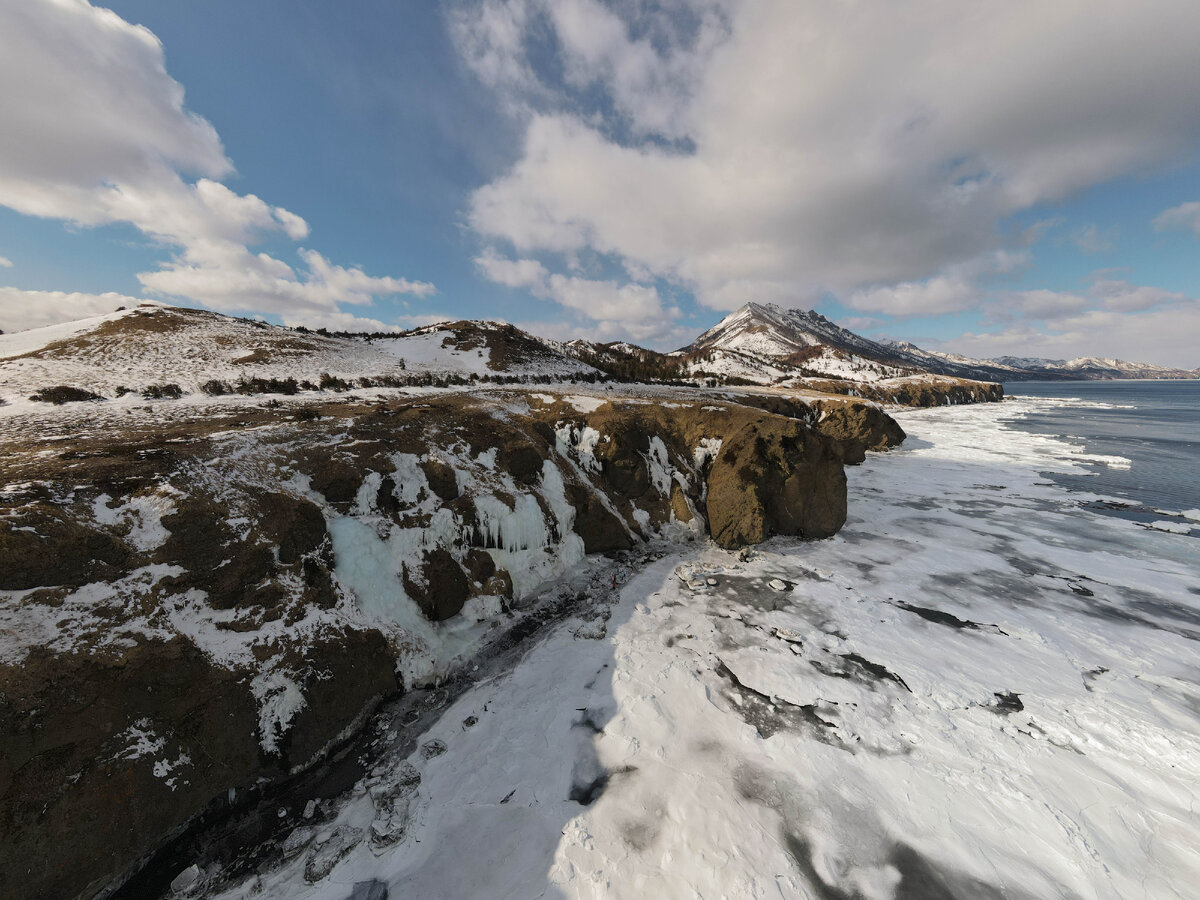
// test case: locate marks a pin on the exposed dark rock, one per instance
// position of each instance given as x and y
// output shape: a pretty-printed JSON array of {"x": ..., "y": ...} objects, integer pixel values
[
  {"x": 337, "y": 481},
  {"x": 441, "y": 478},
  {"x": 480, "y": 565},
  {"x": 42, "y": 547},
  {"x": 440, "y": 587},
  {"x": 296, "y": 525},
  {"x": 79, "y": 799},
  {"x": 522, "y": 461},
  {"x": 357, "y": 670},
  {"x": 600, "y": 530},
  {"x": 775, "y": 476},
  {"x": 857, "y": 427},
  {"x": 1007, "y": 702}
]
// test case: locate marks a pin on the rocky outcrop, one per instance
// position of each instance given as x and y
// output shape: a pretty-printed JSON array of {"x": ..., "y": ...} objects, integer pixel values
[
  {"x": 775, "y": 477},
  {"x": 919, "y": 391},
  {"x": 205, "y": 602},
  {"x": 856, "y": 427}
]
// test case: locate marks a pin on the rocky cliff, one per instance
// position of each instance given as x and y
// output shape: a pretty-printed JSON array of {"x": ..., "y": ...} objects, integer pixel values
[{"x": 200, "y": 598}]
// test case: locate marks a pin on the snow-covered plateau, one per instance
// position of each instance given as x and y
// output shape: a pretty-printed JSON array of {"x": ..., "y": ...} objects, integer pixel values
[{"x": 978, "y": 688}]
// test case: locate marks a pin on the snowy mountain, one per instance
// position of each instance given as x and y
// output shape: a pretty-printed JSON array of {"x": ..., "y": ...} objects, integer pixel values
[{"x": 765, "y": 342}]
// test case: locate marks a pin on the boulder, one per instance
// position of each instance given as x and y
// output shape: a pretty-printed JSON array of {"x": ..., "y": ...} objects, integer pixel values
[
  {"x": 856, "y": 427},
  {"x": 439, "y": 586},
  {"x": 775, "y": 476}
]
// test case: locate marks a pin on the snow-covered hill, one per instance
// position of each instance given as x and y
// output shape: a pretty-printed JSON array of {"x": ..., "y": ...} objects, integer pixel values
[{"x": 153, "y": 344}]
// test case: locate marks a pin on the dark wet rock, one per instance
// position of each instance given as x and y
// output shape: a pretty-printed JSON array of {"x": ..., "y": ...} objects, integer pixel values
[
  {"x": 230, "y": 568},
  {"x": 775, "y": 476},
  {"x": 386, "y": 500},
  {"x": 352, "y": 671},
  {"x": 679, "y": 504},
  {"x": 480, "y": 565},
  {"x": 440, "y": 587},
  {"x": 432, "y": 749},
  {"x": 499, "y": 585},
  {"x": 1007, "y": 702},
  {"x": 522, "y": 461},
  {"x": 622, "y": 458}
]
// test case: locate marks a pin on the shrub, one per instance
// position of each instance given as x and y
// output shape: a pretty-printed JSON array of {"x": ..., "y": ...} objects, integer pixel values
[
  {"x": 330, "y": 383},
  {"x": 267, "y": 386},
  {"x": 163, "y": 392},
  {"x": 216, "y": 387},
  {"x": 60, "y": 394}
]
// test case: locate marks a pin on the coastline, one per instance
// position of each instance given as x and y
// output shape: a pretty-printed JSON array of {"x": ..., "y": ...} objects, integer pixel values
[{"x": 979, "y": 684}]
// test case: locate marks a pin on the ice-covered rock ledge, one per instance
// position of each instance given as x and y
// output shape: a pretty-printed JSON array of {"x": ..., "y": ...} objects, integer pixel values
[{"x": 199, "y": 599}]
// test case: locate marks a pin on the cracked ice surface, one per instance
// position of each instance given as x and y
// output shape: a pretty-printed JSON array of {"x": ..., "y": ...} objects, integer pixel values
[{"x": 979, "y": 688}]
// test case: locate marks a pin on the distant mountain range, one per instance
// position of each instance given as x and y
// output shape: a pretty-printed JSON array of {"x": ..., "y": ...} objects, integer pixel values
[
  {"x": 807, "y": 340},
  {"x": 152, "y": 347}
]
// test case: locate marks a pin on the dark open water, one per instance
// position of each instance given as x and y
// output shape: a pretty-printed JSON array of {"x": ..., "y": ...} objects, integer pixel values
[{"x": 1153, "y": 424}]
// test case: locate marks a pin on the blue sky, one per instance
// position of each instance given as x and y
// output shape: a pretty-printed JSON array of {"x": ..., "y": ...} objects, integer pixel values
[{"x": 992, "y": 181}]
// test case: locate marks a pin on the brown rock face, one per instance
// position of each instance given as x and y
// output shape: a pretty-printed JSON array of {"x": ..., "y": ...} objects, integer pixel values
[
  {"x": 121, "y": 727},
  {"x": 79, "y": 735},
  {"x": 857, "y": 427},
  {"x": 56, "y": 550},
  {"x": 775, "y": 476},
  {"x": 600, "y": 530},
  {"x": 441, "y": 479},
  {"x": 440, "y": 588}
]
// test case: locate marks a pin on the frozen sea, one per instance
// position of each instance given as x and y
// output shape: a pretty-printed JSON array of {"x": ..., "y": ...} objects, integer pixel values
[
  {"x": 984, "y": 686},
  {"x": 1153, "y": 425}
]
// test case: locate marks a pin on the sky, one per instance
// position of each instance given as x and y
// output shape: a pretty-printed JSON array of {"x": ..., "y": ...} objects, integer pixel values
[{"x": 1017, "y": 178}]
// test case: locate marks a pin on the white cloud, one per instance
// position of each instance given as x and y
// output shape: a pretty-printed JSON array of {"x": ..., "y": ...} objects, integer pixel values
[
  {"x": 5, "y": 262},
  {"x": 21, "y": 309},
  {"x": 1110, "y": 318},
  {"x": 1091, "y": 239},
  {"x": 860, "y": 323},
  {"x": 774, "y": 150},
  {"x": 513, "y": 273},
  {"x": 957, "y": 289},
  {"x": 1042, "y": 304},
  {"x": 1165, "y": 336},
  {"x": 1185, "y": 215},
  {"x": 610, "y": 307},
  {"x": 96, "y": 132}
]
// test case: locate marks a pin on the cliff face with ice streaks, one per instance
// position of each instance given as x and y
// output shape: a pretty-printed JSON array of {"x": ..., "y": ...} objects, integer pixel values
[{"x": 199, "y": 597}]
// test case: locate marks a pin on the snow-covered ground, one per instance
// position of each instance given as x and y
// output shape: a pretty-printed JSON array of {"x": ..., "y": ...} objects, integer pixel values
[{"x": 978, "y": 688}]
